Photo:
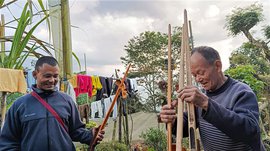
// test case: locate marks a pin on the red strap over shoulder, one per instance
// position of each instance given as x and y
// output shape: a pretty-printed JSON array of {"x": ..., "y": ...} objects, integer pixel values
[{"x": 49, "y": 108}]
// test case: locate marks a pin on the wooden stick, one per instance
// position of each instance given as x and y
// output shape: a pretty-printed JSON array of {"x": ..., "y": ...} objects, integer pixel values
[
  {"x": 102, "y": 126},
  {"x": 169, "y": 88},
  {"x": 191, "y": 108},
  {"x": 180, "y": 106}
]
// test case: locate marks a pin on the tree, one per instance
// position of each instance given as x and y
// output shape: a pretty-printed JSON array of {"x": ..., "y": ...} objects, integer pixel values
[
  {"x": 246, "y": 74},
  {"x": 242, "y": 20},
  {"x": 147, "y": 54},
  {"x": 248, "y": 54}
]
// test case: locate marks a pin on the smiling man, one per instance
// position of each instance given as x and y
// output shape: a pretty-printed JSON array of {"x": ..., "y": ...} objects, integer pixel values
[
  {"x": 227, "y": 114},
  {"x": 30, "y": 126}
]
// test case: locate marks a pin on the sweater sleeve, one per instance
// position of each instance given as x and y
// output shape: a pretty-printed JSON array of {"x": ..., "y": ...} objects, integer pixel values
[
  {"x": 11, "y": 133},
  {"x": 239, "y": 122}
]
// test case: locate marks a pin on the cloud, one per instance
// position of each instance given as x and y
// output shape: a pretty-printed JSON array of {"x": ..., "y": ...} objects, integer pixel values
[
  {"x": 106, "y": 26},
  {"x": 101, "y": 28}
]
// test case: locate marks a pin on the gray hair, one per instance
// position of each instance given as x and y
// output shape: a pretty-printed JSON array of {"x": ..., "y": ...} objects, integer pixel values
[{"x": 209, "y": 53}]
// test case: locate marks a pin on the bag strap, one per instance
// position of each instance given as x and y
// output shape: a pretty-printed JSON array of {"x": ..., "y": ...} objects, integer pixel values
[{"x": 49, "y": 108}]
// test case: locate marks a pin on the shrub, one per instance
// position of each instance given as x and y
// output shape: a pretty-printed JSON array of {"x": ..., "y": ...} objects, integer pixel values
[
  {"x": 155, "y": 139},
  {"x": 111, "y": 146}
]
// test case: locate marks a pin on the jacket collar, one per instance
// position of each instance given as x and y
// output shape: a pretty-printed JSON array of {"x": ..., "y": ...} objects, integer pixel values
[{"x": 44, "y": 93}]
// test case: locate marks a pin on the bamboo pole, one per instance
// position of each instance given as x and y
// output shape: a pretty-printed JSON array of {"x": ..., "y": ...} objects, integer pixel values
[
  {"x": 102, "y": 126},
  {"x": 169, "y": 88},
  {"x": 3, "y": 108},
  {"x": 180, "y": 106},
  {"x": 66, "y": 40},
  {"x": 185, "y": 78},
  {"x": 115, "y": 121},
  {"x": 191, "y": 108},
  {"x": 3, "y": 95},
  {"x": 2, "y": 35}
]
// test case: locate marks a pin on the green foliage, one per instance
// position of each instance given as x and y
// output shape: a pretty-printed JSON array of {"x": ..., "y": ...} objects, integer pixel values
[
  {"x": 155, "y": 138},
  {"x": 144, "y": 53},
  {"x": 111, "y": 146},
  {"x": 243, "y": 19},
  {"x": 12, "y": 97},
  {"x": 248, "y": 54},
  {"x": 18, "y": 54},
  {"x": 147, "y": 54},
  {"x": 267, "y": 32},
  {"x": 91, "y": 124},
  {"x": 247, "y": 75}
]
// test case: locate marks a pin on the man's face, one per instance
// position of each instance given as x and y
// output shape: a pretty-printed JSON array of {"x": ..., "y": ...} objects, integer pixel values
[
  {"x": 203, "y": 72},
  {"x": 47, "y": 76}
]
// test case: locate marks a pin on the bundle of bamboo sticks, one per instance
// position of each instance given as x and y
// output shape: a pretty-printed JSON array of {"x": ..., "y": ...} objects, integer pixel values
[{"x": 184, "y": 80}]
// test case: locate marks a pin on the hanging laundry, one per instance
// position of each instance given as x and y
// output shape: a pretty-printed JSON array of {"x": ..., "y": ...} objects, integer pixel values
[
  {"x": 99, "y": 106},
  {"x": 84, "y": 112},
  {"x": 129, "y": 87},
  {"x": 84, "y": 85},
  {"x": 72, "y": 81},
  {"x": 94, "y": 109},
  {"x": 115, "y": 111},
  {"x": 134, "y": 85},
  {"x": 12, "y": 80},
  {"x": 101, "y": 92},
  {"x": 96, "y": 84},
  {"x": 109, "y": 83},
  {"x": 107, "y": 104},
  {"x": 71, "y": 92},
  {"x": 124, "y": 93},
  {"x": 30, "y": 80}
]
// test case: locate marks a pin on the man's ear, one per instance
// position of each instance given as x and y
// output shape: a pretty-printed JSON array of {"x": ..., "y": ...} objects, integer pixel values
[
  {"x": 218, "y": 65},
  {"x": 34, "y": 73}
]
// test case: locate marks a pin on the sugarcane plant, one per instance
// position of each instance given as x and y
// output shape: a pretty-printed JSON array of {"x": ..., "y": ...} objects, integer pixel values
[{"x": 23, "y": 43}]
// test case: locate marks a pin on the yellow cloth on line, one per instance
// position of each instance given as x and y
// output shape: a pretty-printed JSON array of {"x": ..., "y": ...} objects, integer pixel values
[
  {"x": 12, "y": 80},
  {"x": 96, "y": 84},
  {"x": 72, "y": 81}
]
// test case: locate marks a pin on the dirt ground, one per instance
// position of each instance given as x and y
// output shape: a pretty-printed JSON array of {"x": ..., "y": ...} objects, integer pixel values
[{"x": 141, "y": 122}]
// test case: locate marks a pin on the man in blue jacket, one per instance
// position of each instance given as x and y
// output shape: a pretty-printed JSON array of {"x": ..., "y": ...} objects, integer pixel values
[
  {"x": 227, "y": 114},
  {"x": 29, "y": 126}
]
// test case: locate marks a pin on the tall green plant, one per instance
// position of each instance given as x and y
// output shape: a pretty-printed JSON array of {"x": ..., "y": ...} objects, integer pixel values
[
  {"x": 18, "y": 53},
  {"x": 21, "y": 48}
]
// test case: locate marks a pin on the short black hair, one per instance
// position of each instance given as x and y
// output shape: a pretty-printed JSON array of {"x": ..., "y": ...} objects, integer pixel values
[
  {"x": 209, "y": 53},
  {"x": 45, "y": 59}
]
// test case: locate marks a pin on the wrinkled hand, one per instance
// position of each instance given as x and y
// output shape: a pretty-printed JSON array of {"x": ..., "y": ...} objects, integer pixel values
[
  {"x": 168, "y": 113},
  {"x": 99, "y": 136},
  {"x": 192, "y": 94}
]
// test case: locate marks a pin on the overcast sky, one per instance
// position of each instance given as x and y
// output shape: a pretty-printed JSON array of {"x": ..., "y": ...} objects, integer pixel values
[{"x": 106, "y": 26}]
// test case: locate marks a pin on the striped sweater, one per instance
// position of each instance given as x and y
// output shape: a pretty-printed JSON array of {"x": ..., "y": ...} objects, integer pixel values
[{"x": 231, "y": 120}]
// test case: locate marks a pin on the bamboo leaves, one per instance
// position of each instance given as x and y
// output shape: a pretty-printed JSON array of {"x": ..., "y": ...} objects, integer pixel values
[{"x": 20, "y": 48}]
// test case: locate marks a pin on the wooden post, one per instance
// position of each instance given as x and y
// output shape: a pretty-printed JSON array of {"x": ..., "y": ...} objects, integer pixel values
[{"x": 120, "y": 119}]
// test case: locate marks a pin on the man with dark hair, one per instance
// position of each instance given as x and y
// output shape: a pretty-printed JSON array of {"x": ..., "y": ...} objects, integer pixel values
[
  {"x": 30, "y": 125},
  {"x": 227, "y": 114}
]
